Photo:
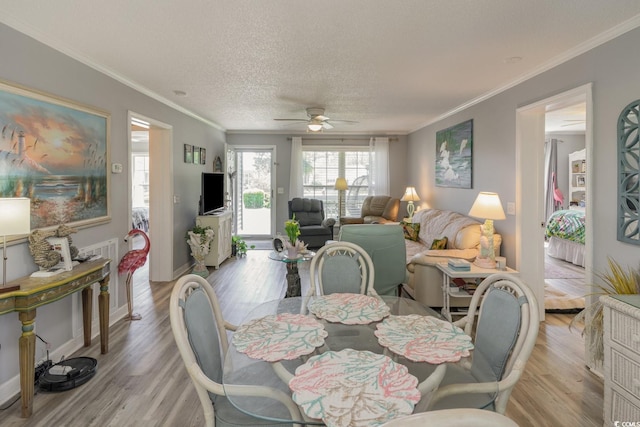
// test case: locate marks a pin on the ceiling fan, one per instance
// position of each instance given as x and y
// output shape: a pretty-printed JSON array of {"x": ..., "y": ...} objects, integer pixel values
[{"x": 317, "y": 121}]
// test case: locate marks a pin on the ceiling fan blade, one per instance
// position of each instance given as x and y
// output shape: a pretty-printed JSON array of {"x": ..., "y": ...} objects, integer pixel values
[
  {"x": 344, "y": 121},
  {"x": 292, "y": 120},
  {"x": 327, "y": 125}
]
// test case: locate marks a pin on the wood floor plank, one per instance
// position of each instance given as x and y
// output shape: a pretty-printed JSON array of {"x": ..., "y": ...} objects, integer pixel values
[{"x": 143, "y": 382}]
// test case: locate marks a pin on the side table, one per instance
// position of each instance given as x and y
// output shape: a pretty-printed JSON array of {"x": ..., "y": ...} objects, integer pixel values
[
  {"x": 294, "y": 288},
  {"x": 448, "y": 291},
  {"x": 36, "y": 292}
]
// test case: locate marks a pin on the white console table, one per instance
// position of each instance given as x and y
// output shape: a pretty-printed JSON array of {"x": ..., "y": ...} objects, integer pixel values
[{"x": 221, "y": 244}]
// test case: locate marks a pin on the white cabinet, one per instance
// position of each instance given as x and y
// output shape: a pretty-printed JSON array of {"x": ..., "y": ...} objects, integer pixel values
[
  {"x": 621, "y": 358},
  {"x": 577, "y": 180},
  {"x": 221, "y": 244}
]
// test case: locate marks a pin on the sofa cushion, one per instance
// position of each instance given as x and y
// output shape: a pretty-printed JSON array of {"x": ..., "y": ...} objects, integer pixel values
[
  {"x": 411, "y": 230},
  {"x": 439, "y": 243}
]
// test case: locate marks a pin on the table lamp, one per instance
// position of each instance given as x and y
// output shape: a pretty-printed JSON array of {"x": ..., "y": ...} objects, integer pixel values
[
  {"x": 489, "y": 207},
  {"x": 16, "y": 219},
  {"x": 410, "y": 196},
  {"x": 341, "y": 186}
]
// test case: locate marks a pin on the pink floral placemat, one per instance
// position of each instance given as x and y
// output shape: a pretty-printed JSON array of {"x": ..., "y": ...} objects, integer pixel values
[
  {"x": 284, "y": 336},
  {"x": 350, "y": 309},
  {"x": 424, "y": 338},
  {"x": 354, "y": 388}
]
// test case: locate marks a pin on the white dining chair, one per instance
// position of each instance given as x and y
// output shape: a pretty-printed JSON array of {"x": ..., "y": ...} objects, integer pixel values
[
  {"x": 200, "y": 333},
  {"x": 461, "y": 417},
  {"x": 342, "y": 267},
  {"x": 505, "y": 335}
]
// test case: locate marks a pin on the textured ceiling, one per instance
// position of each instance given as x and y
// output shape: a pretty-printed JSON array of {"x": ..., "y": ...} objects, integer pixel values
[{"x": 393, "y": 66}]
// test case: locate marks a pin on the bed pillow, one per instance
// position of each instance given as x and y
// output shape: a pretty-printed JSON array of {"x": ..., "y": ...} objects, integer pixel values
[
  {"x": 410, "y": 230},
  {"x": 439, "y": 243}
]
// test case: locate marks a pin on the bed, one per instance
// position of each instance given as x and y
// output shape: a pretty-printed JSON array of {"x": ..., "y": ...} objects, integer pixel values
[{"x": 565, "y": 233}]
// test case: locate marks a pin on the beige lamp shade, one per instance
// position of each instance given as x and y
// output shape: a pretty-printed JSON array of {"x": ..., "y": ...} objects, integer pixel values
[
  {"x": 341, "y": 184},
  {"x": 410, "y": 195},
  {"x": 487, "y": 206},
  {"x": 15, "y": 214}
]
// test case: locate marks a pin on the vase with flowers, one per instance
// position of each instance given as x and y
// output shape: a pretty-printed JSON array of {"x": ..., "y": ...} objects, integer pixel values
[
  {"x": 292, "y": 244},
  {"x": 199, "y": 240}
]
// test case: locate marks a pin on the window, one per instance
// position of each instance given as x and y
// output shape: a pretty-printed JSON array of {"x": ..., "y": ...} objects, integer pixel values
[{"x": 322, "y": 165}]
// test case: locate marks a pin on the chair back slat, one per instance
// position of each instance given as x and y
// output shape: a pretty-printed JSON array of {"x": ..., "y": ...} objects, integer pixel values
[
  {"x": 496, "y": 334},
  {"x": 342, "y": 267},
  {"x": 202, "y": 332}
]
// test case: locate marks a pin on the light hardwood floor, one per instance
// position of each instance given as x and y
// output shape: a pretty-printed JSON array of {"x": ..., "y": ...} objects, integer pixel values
[{"x": 142, "y": 381}]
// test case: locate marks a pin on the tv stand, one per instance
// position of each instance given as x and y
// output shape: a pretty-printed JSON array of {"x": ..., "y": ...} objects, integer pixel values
[{"x": 220, "y": 249}]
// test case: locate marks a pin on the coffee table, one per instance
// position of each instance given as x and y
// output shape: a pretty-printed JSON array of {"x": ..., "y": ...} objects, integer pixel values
[{"x": 293, "y": 277}]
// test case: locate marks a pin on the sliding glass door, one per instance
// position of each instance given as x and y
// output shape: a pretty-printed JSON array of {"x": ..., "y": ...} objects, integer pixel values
[{"x": 251, "y": 182}]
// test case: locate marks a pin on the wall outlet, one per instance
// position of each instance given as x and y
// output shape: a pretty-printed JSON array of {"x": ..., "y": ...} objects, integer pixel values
[
  {"x": 511, "y": 208},
  {"x": 116, "y": 167}
]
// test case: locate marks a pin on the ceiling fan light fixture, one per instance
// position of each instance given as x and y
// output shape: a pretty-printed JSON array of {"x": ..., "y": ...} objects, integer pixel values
[{"x": 314, "y": 127}]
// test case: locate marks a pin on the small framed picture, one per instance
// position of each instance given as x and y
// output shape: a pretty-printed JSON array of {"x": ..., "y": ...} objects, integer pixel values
[
  {"x": 61, "y": 245},
  {"x": 203, "y": 156},
  {"x": 217, "y": 164},
  {"x": 196, "y": 155},
  {"x": 188, "y": 153}
]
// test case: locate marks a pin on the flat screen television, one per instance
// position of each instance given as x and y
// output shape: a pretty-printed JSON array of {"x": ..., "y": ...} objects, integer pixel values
[{"x": 211, "y": 193}]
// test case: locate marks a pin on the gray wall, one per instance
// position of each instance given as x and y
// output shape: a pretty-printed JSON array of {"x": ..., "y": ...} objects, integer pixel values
[
  {"x": 397, "y": 158},
  {"x": 613, "y": 70},
  {"x": 36, "y": 66}
]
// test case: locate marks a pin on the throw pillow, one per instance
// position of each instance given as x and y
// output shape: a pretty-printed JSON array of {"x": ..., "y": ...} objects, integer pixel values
[
  {"x": 439, "y": 243},
  {"x": 411, "y": 230}
]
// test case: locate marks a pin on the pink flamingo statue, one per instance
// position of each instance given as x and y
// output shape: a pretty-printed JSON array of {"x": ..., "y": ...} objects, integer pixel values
[{"x": 130, "y": 262}]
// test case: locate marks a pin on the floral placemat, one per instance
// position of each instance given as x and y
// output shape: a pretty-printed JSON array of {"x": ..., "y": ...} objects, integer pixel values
[
  {"x": 284, "y": 336},
  {"x": 424, "y": 338},
  {"x": 354, "y": 388},
  {"x": 350, "y": 309}
]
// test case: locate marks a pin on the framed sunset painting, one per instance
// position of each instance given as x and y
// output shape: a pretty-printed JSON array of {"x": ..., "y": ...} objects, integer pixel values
[{"x": 55, "y": 152}]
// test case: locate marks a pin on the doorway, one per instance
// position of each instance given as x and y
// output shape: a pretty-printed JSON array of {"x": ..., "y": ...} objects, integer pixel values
[
  {"x": 251, "y": 181},
  {"x": 530, "y": 217},
  {"x": 565, "y": 206},
  {"x": 157, "y": 193}
]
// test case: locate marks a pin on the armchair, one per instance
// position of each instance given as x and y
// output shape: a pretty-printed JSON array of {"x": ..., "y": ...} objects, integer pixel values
[
  {"x": 375, "y": 209},
  {"x": 315, "y": 230}
]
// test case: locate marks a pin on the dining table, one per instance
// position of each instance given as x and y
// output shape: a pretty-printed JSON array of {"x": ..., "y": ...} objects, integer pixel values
[{"x": 345, "y": 359}]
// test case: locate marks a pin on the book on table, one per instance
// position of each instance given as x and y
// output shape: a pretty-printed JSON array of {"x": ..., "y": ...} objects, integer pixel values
[{"x": 459, "y": 264}]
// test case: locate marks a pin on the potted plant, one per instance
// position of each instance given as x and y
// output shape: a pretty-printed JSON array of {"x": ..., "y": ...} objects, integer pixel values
[
  {"x": 292, "y": 244},
  {"x": 199, "y": 240},
  {"x": 616, "y": 281},
  {"x": 239, "y": 247}
]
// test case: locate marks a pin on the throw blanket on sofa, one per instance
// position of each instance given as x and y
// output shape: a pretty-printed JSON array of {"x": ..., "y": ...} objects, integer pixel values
[{"x": 436, "y": 224}]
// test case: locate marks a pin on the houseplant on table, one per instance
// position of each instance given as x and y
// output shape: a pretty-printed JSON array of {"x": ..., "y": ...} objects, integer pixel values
[
  {"x": 292, "y": 244},
  {"x": 199, "y": 239}
]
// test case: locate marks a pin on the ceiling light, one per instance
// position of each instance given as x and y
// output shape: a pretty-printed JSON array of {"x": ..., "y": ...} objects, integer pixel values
[
  {"x": 140, "y": 123},
  {"x": 314, "y": 127}
]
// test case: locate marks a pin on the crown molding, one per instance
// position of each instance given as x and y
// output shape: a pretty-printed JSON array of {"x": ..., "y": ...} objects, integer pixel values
[{"x": 583, "y": 47}]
